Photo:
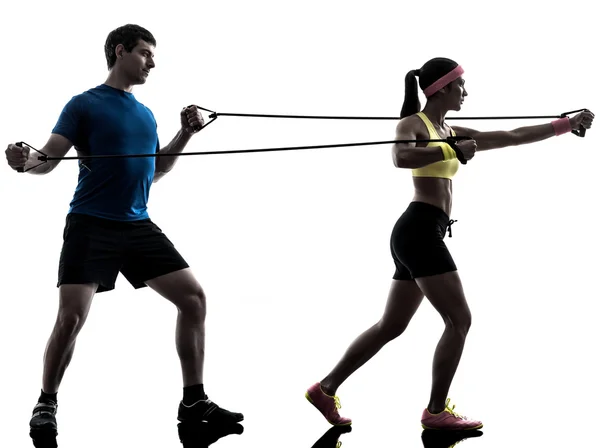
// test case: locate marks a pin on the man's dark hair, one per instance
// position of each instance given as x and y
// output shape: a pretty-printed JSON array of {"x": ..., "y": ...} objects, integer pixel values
[{"x": 128, "y": 35}]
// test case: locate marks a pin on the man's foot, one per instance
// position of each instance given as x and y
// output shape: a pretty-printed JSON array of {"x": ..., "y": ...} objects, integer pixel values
[
  {"x": 42, "y": 426},
  {"x": 44, "y": 417},
  {"x": 206, "y": 410},
  {"x": 327, "y": 405},
  {"x": 448, "y": 420}
]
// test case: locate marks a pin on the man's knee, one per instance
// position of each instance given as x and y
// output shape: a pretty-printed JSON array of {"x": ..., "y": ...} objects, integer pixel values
[
  {"x": 193, "y": 303},
  {"x": 75, "y": 302},
  {"x": 183, "y": 290}
]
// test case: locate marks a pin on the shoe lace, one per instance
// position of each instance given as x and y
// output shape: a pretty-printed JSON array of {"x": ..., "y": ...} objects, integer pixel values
[
  {"x": 337, "y": 403},
  {"x": 451, "y": 410}
]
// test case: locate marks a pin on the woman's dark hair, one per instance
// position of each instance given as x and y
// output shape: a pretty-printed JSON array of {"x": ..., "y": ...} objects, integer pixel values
[
  {"x": 129, "y": 35},
  {"x": 431, "y": 71}
]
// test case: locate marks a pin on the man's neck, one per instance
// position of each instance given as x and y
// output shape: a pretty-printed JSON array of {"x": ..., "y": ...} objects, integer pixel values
[{"x": 117, "y": 82}]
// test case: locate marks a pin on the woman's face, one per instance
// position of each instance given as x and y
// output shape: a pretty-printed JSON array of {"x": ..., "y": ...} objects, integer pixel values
[{"x": 457, "y": 94}]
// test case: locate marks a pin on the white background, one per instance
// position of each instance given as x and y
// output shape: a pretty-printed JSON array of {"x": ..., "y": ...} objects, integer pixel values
[{"x": 292, "y": 248}]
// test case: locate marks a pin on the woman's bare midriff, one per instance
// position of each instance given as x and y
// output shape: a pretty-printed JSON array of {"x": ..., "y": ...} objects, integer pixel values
[{"x": 434, "y": 191}]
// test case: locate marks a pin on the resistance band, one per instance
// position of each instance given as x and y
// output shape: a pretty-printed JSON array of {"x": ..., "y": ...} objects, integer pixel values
[
  {"x": 44, "y": 158},
  {"x": 214, "y": 115}
]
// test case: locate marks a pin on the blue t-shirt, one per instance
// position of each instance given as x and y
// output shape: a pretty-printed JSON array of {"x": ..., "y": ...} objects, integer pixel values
[{"x": 103, "y": 121}]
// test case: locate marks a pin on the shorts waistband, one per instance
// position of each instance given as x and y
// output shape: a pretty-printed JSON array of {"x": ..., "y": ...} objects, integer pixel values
[
  {"x": 106, "y": 223},
  {"x": 424, "y": 207},
  {"x": 429, "y": 211}
]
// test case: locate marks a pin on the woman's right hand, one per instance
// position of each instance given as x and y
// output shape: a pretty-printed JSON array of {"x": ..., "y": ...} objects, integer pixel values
[{"x": 468, "y": 148}]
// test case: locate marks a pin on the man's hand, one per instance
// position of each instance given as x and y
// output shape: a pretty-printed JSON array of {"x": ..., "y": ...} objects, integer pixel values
[
  {"x": 17, "y": 156},
  {"x": 191, "y": 120}
]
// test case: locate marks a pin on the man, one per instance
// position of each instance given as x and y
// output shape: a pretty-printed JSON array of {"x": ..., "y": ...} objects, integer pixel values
[{"x": 108, "y": 229}]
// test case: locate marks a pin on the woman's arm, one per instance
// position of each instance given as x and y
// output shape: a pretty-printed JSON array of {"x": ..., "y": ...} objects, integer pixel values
[
  {"x": 409, "y": 155},
  {"x": 524, "y": 135}
]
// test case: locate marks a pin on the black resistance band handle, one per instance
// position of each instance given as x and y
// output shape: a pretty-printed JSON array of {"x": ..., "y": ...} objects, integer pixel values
[
  {"x": 21, "y": 169},
  {"x": 195, "y": 128},
  {"x": 581, "y": 131},
  {"x": 459, "y": 154}
]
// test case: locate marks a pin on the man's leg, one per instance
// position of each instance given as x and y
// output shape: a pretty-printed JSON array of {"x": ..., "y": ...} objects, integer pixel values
[
  {"x": 152, "y": 260},
  {"x": 89, "y": 263},
  {"x": 183, "y": 290},
  {"x": 75, "y": 302}
]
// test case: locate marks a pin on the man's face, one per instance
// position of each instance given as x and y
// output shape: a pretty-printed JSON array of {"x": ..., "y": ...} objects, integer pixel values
[{"x": 137, "y": 64}]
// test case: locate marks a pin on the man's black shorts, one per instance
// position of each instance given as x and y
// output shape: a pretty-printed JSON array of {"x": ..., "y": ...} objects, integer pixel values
[{"x": 95, "y": 250}]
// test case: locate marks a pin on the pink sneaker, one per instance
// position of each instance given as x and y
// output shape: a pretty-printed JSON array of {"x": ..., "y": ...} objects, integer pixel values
[
  {"x": 448, "y": 420},
  {"x": 327, "y": 405}
]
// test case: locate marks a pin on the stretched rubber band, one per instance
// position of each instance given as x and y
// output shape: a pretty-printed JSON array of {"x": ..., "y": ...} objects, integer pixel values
[
  {"x": 214, "y": 115},
  {"x": 45, "y": 158}
]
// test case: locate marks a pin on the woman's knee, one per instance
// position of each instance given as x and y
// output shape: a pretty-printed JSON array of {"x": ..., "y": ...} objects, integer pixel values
[
  {"x": 388, "y": 330},
  {"x": 459, "y": 322}
]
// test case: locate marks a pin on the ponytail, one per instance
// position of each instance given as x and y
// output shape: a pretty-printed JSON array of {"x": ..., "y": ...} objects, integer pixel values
[{"x": 411, "y": 104}]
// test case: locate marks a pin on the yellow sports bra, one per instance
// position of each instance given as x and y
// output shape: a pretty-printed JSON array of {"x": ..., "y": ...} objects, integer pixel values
[{"x": 445, "y": 169}]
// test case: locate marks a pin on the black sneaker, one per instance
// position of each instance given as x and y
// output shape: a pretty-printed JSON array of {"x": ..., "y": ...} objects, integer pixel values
[
  {"x": 44, "y": 417},
  {"x": 207, "y": 411},
  {"x": 42, "y": 425}
]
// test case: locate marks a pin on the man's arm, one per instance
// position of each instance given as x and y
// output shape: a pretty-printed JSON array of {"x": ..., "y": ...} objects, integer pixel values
[
  {"x": 57, "y": 146},
  {"x": 191, "y": 123},
  {"x": 66, "y": 133},
  {"x": 177, "y": 145}
]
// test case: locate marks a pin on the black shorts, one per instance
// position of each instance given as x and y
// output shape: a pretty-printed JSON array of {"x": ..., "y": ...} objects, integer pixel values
[
  {"x": 95, "y": 250},
  {"x": 417, "y": 242}
]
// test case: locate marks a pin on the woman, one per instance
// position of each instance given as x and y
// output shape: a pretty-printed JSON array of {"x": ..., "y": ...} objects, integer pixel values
[{"x": 424, "y": 267}]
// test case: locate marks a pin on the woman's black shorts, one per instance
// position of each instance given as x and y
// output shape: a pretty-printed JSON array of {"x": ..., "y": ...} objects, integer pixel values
[{"x": 417, "y": 242}]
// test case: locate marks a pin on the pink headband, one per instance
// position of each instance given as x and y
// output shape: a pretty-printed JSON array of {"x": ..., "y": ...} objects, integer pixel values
[{"x": 444, "y": 81}]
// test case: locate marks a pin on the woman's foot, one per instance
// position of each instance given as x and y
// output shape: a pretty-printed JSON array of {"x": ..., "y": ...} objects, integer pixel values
[
  {"x": 448, "y": 420},
  {"x": 327, "y": 405}
]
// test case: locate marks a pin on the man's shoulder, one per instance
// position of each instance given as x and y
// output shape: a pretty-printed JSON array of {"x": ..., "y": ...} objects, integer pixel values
[
  {"x": 84, "y": 98},
  {"x": 91, "y": 92}
]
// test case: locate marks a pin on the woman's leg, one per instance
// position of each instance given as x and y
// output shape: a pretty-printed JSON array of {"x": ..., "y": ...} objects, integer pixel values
[
  {"x": 403, "y": 301},
  {"x": 445, "y": 292}
]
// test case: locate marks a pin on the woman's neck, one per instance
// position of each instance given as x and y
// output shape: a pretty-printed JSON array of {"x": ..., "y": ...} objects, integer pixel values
[{"x": 435, "y": 112}]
